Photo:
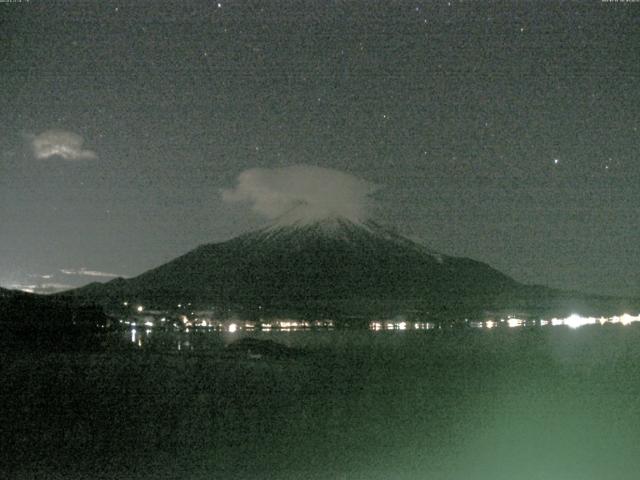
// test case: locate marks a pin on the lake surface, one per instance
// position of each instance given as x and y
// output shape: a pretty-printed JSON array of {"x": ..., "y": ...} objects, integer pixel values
[{"x": 525, "y": 403}]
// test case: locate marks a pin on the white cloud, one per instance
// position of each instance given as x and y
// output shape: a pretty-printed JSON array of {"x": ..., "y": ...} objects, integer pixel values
[
  {"x": 67, "y": 145},
  {"x": 22, "y": 287},
  {"x": 41, "y": 288},
  {"x": 314, "y": 191},
  {"x": 88, "y": 273},
  {"x": 37, "y": 275},
  {"x": 45, "y": 288}
]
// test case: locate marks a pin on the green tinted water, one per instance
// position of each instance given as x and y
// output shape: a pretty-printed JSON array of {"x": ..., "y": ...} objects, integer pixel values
[{"x": 548, "y": 403}]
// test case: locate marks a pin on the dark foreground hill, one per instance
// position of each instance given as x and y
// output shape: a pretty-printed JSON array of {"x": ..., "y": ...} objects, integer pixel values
[{"x": 27, "y": 313}]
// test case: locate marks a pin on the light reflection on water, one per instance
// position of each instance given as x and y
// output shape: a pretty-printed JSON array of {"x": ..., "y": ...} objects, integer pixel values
[
  {"x": 400, "y": 325},
  {"x": 485, "y": 405},
  {"x": 198, "y": 338},
  {"x": 572, "y": 321}
]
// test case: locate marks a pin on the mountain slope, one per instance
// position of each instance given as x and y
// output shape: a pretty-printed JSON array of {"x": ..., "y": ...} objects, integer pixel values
[
  {"x": 325, "y": 265},
  {"x": 328, "y": 266}
]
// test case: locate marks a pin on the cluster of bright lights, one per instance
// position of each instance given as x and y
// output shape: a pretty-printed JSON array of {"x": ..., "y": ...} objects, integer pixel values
[
  {"x": 400, "y": 325},
  {"x": 572, "y": 321},
  {"x": 575, "y": 320},
  {"x": 289, "y": 324},
  {"x": 184, "y": 321},
  {"x": 286, "y": 325},
  {"x": 625, "y": 319}
]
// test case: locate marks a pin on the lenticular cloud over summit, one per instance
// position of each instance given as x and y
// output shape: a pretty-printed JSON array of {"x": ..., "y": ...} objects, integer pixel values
[{"x": 313, "y": 192}]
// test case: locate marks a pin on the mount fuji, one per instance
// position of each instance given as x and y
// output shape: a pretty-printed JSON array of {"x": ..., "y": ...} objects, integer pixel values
[{"x": 325, "y": 265}]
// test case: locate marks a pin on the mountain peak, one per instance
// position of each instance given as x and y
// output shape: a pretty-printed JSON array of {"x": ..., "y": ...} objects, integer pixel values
[
  {"x": 302, "y": 225},
  {"x": 303, "y": 216}
]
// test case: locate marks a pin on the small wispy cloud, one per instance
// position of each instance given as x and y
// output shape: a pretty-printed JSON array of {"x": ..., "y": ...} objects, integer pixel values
[
  {"x": 46, "y": 276},
  {"x": 88, "y": 273},
  {"x": 314, "y": 190},
  {"x": 41, "y": 288},
  {"x": 60, "y": 143},
  {"x": 45, "y": 288},
  {"x": 22, "y": 287}
]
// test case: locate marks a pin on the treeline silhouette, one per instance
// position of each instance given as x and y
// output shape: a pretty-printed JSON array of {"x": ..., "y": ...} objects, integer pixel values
[{"x": 42, "y": 321}]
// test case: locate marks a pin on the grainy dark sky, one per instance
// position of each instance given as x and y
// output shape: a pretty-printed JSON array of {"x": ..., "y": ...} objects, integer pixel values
[{"x": 506, "y": 132}]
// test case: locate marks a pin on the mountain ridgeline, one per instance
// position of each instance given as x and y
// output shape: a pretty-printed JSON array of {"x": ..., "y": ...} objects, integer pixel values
[{"x": 328, "y": 267}]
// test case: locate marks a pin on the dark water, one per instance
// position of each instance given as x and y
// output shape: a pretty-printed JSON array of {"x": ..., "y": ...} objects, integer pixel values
[{"x": 545, "y": 403}]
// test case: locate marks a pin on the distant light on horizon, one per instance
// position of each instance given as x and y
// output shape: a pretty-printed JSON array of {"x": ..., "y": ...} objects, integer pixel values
[
  {"x": 515, "y": 322},
  {"x": 575, "y": 321}
]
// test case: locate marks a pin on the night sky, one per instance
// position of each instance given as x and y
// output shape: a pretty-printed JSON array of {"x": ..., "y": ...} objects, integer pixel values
[{"x": 505, "y": 132}]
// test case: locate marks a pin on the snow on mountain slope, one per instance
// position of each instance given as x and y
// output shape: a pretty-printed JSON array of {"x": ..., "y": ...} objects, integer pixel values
[{"x": 299, "y": 224}]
